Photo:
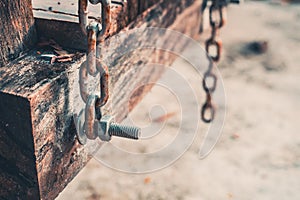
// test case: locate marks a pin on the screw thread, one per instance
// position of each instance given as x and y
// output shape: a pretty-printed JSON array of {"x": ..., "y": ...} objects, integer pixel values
[{"x": 129, "y": 132}]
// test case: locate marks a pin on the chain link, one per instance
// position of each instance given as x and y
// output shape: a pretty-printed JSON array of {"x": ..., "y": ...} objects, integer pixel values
[{"x": 104, "y": 78}]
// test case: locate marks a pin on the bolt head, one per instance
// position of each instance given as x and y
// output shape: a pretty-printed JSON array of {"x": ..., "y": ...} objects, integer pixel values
[{"x": 103, "y": 127}]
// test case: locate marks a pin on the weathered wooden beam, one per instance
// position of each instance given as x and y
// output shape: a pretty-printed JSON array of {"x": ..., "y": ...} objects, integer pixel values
[
  {"x": 67, "y": 10},
  {"x": 63, "y": 25},
  {"x": 36, "y": 106},
  {"x": 68, "y": 33},
  {"x": 17, "y": 29}
]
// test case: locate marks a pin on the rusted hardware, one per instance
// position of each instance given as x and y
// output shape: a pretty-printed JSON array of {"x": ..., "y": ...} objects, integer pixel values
[
  {"x": 90, "y": 123},
  {"x": 208, "y": 107},
  {"x": 94, "y": 125},
  {"x": 207, "y": 76},
  {"x": 215, "y": 5},
  {"x": 106, "y": 19},
  {"x": 92, "y": 30},
  {"x": 90, "y": 117},
  {"x": 215, "y": 25},
  {"x": 213, "y": 41},
  {"x": 83, "y": 15},
  {"x": 104, "y": 82},
  {"x": 216, "y": 8},
  {"x": 105, "y": 16},
  {"x": 218, "y": 45},
  {"x": 90, "y": 128}
]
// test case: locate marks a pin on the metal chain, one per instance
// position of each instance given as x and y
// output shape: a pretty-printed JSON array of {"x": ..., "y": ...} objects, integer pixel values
[
  {"x": 217, "y": 6},
  {"x": 95, "y": 32},
  {"x": 208, "y": 108},
  {"x": 89, "y": 123}
]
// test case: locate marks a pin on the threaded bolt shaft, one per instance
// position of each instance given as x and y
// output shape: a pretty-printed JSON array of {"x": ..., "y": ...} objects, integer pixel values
[{"x": 119, "y": 130}]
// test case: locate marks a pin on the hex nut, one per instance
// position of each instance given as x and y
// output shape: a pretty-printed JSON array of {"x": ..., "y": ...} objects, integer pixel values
[{"x": 103, "y": 127}]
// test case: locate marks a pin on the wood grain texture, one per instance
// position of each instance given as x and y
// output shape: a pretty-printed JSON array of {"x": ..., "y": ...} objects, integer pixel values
[
  {"x": 66, "y": 29},
  {"x": 67, "y": 10},
  {"x": 44, "y": 92},
  {"x": 17, "y": 29},
  {"x": 69, "y": 35}
]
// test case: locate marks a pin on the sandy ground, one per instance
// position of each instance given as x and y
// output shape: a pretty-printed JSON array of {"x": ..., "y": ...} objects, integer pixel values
[{"x": 258, "y": 155}]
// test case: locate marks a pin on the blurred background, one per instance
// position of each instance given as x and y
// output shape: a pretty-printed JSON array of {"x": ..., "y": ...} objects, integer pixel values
[{"x": 258, "y": 154}]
